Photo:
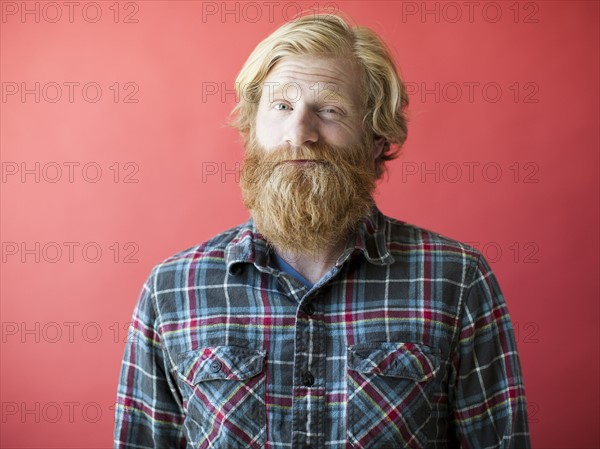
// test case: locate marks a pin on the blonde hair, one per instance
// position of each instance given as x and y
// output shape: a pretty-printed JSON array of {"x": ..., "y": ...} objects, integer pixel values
[{"x": 384, "y": 94}]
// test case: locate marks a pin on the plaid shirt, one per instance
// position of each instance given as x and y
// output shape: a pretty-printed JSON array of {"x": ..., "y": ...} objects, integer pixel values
[{"x": 406, "y": 342}]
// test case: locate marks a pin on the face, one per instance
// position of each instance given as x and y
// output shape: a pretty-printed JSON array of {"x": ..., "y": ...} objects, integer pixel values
[
  {"x": 309, "y": 169},
  {"x": 308, "y": 100}
]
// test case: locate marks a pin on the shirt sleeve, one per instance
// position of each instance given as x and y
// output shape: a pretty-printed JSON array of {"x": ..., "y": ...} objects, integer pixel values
[
  {"x": 148, "y": 411},
  {"x": 489, "y": 407}
]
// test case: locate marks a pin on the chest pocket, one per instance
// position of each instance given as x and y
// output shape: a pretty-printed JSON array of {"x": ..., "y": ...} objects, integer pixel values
[
  {"x": 224, "y": 392},
  {"x": 389, "y": 392}
]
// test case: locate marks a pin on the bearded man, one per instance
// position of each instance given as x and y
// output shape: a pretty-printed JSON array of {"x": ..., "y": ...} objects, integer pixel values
[{"x": 320, "y": 322}]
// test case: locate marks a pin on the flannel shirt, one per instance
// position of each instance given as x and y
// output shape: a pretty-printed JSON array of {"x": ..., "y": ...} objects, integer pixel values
[{"x": 405, "y": 342}]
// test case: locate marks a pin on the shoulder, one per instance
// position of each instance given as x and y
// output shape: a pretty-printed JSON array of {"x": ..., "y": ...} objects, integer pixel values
[
  {"x": 403, "y": 233},
  {"x": 409, "y": 241}
]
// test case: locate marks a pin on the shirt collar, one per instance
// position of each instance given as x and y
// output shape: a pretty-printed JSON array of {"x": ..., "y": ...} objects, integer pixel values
[
  {"x": 249, "y": 246},
  {"x": 370, "y": 240}
]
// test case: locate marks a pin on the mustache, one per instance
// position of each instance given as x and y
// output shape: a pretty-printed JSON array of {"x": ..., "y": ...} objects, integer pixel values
[
  {"x": 302, "y": 161},
  {"x": 319, "y": 154}
]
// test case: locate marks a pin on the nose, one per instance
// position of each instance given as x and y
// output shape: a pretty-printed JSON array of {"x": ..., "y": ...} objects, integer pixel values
[{"x": 301, "y": 127}]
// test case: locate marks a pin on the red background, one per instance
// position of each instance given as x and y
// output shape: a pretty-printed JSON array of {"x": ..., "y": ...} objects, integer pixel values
[{"x": 512, "y": 125}]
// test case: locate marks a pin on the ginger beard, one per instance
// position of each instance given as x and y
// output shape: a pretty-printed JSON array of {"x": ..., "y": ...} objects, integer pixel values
[{"x": 306, "y": 207}]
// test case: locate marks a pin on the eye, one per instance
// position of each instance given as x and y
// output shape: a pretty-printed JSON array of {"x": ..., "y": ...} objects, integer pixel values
[
  {"x": 330, "y": 110},
  {"x": 281, "y": 107}
]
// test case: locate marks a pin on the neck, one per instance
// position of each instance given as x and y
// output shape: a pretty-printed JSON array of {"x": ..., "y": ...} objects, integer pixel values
[{"x": 313, "y": 265}]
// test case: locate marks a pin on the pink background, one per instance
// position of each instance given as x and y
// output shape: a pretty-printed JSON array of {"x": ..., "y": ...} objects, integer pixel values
[{"x": 504, "y": 99}]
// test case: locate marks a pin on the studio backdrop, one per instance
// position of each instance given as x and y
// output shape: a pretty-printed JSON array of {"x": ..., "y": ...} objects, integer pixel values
[{"x": 115, "y": 154}]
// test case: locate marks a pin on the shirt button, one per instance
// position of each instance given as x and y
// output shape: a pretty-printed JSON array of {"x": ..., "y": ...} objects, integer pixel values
[
  {"x": 215, "y": 366},
  {"x": 308, "y": 379},
  {"x": 309, "y": 309}
]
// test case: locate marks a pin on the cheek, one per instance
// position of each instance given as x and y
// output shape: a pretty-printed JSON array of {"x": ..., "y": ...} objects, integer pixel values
[
  {"x": 267, "y": 131},
  {"x": 342, "y": 136}
]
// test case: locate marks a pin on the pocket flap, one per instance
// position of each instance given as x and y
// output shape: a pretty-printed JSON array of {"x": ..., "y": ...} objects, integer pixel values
[
  {"x": 220, "y": 362},
  {"x": 409, "y": 360}
]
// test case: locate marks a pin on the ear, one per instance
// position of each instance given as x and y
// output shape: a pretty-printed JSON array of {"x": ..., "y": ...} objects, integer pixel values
[{"x": 378, "y": 146}]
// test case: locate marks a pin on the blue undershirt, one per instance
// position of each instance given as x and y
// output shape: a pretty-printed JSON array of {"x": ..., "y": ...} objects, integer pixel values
[{"x": 282, "y": 265}]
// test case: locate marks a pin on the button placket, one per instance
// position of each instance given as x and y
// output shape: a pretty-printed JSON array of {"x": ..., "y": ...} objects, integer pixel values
[{"x": 310, "y": 359}]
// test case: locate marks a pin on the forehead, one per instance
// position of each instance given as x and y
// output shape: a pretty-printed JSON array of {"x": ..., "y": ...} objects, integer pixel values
[{"x": 337, "y": 77}]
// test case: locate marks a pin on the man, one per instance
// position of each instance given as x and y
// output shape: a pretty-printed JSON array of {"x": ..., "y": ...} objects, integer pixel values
[{"x": 321, "y": 323}]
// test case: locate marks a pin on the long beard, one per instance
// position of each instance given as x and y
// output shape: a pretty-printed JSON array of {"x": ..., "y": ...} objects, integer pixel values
[{"x": 308, "y": 207}]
